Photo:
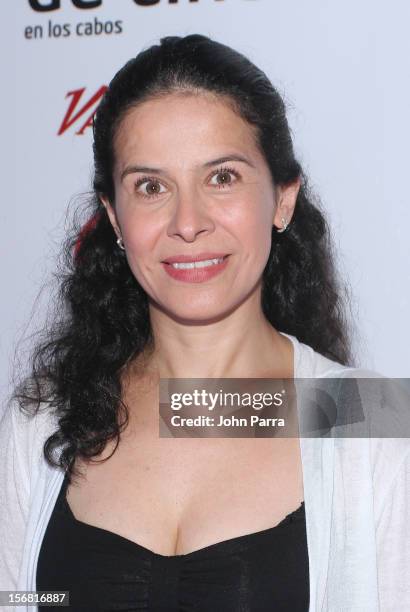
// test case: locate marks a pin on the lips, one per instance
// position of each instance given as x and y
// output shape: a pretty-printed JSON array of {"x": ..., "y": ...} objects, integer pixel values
[
  {"x": 183, "y": 258},
  {"x": 196, "y": 274}
]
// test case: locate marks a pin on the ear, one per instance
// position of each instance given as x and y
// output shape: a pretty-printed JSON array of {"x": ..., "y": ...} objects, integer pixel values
[
  {"x": 111, "y": 214},
  {"x": 286, "y": 196}
]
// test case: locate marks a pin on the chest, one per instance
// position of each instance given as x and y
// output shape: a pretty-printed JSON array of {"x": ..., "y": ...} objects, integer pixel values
[{"x": 174, "y": 496}]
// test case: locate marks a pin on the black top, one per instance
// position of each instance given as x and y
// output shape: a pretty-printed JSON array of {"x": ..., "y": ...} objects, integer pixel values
[{"x": 263, "y": 571}]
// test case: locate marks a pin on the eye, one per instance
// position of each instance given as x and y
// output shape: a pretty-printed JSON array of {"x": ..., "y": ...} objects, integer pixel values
[
  {"x": 150, "y": 187},
  {"x": 224, "y": 177}
]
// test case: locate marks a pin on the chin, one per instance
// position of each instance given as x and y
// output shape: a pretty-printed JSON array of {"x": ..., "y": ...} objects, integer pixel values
[
  {"x": 195, "y": 313},
  {"x": 203, "y": 319}
]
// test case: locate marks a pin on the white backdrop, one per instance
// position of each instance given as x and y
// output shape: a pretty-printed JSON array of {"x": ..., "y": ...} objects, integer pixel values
[{"x": 343, "y": 70}]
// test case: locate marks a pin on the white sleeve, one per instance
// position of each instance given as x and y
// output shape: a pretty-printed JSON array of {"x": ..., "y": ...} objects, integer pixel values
[
  {"x": 393, "y": 542},
  {"x": 14, "y": 493}
]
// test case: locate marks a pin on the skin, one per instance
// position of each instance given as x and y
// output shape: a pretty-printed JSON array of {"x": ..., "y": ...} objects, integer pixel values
[
  {"x": 210, "y": 329},
  {"x": 217, "y": 327}
]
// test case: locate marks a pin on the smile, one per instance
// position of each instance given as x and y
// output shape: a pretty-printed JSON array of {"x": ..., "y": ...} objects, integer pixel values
[
  {"x": 196, "y": 271},
  {"x": 197, "y": 264}
]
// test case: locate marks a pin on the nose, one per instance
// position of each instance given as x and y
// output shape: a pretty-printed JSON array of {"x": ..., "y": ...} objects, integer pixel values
[{"x": 190, "y": 215}]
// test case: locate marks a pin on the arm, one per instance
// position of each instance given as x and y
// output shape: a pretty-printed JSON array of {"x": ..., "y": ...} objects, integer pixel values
[
  {"x": 393, "y": 540},
  {"x": 14, "y": 492}
]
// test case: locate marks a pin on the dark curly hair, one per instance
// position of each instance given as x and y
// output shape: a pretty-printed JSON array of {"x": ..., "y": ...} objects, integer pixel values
[{"x": 102, "y": 323}]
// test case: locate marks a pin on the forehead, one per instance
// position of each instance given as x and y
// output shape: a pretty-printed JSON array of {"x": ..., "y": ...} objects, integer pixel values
[{"x": 183, "y": 127}]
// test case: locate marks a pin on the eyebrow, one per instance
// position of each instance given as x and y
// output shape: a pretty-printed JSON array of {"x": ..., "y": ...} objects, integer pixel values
[{"x": 213, "y": 162}]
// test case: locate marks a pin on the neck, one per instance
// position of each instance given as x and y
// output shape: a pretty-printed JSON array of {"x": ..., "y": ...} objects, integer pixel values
[{"x": 244, "y": 344}]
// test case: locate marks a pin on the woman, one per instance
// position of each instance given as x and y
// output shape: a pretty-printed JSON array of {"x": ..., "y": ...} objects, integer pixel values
[{"x": 194, "y": 162}]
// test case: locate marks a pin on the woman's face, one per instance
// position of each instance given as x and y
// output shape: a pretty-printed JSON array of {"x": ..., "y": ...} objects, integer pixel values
[{"x": 189, "y": 180}]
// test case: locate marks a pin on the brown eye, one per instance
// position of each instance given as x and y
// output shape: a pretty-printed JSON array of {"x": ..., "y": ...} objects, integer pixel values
[
  {"x": 223, "y": 177},
  {"x": 148, "y": 188},
  {"x": 153, "y": 188}
]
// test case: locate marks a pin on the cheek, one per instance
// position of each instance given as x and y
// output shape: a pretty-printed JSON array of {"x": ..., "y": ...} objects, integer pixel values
[
  {"x": 139, "y": 241},
  {"x": 140, "y": 235},
  {"x": 255, "y": 225}
]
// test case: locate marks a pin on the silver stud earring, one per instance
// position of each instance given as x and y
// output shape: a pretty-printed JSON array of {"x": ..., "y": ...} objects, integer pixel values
[
  {"x": 120, "y": 243},
  {"x": 285, "y": 225}
]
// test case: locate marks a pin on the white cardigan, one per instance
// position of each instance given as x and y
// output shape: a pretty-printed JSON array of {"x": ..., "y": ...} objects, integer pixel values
[{"x": 357, "y": 505}]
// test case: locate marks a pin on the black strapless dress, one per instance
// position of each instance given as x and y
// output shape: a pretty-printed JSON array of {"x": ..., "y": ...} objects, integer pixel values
[{"x": 265, "y": 571}]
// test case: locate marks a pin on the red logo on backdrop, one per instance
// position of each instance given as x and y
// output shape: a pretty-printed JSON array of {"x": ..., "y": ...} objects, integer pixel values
[{"x": 78, "y": 108}]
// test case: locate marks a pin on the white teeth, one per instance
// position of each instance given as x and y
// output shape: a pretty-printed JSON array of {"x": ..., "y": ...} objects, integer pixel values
[{"x": 197, "y": 264}]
